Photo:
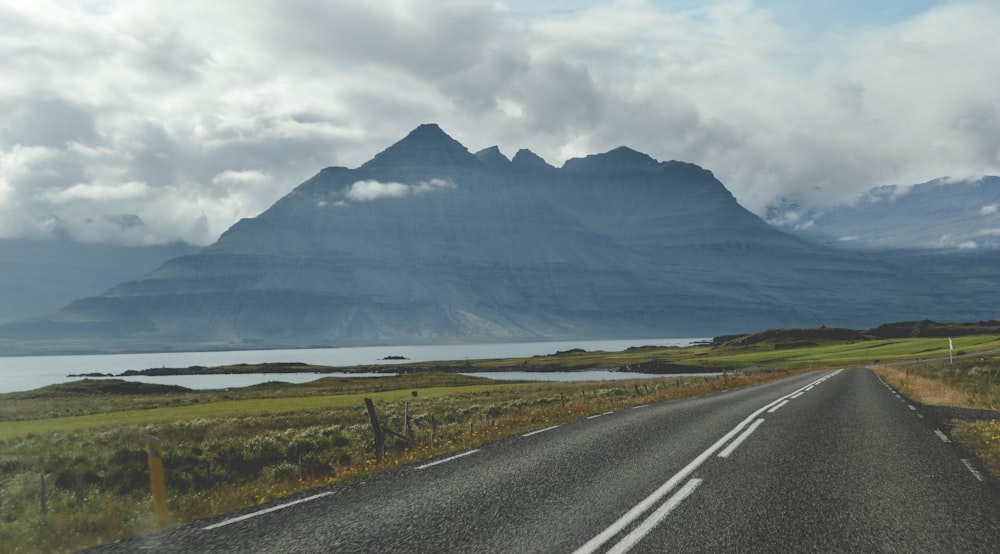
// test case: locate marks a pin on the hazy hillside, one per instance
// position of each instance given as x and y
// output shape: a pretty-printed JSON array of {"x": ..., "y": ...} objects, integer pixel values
[
  {"x": 429, "y": 243},
  {"x": 39, "y": 276},
  {"x": 939, "y": 214}
]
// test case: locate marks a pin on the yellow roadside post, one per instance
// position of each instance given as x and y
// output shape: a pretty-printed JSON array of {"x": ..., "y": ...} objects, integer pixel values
[{"x": 155, "y": 453}]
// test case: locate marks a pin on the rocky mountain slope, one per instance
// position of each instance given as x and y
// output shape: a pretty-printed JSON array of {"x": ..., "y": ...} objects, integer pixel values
[{"x": 429, "y": 243}]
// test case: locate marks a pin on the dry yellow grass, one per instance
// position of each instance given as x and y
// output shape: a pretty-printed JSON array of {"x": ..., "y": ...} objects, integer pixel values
[
  {"x": 926, "y": 390},
  {"x": 983, "y": 438}
]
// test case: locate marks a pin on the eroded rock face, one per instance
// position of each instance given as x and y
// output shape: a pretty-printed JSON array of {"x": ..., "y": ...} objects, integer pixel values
[{"x": 428, "y": 243}]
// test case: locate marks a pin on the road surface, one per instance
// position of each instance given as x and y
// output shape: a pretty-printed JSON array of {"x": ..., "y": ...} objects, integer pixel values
[{"x": 820, "y": 462}]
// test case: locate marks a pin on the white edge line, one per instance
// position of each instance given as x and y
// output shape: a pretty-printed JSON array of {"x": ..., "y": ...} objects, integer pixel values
[
  {"x": 941, "y": 435},
  {"x": 266, "y": 511},
  {"x": 455, "y": 457},
  {"x": 655, "y": 519},
  {"x": 595, "y": 416},
  {"x": 604, "y": 536},
  {"x": 796, "y": 395},
  {"x": 976, "y": 474},
  {"x": 640, "y": 406},
  {"x": 539, "y": 431},
  {"x": 739, "y": 440},
  {"x": 778, "y": 407}
]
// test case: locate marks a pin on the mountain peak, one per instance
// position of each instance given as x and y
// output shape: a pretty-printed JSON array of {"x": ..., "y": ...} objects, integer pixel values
[
  {"x": 622, "y": 157},
  {"x": 493, "y": 157},
  {"x": 425, "y": 146},
  {"x": 526, "y": 160}
]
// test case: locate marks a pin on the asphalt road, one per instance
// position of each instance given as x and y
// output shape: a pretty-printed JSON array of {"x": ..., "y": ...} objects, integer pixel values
[{"x": 823, "y": 462}]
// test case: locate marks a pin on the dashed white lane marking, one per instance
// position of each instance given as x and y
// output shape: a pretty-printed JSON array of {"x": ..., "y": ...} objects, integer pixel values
[
  {"x": 976, "y": 474},
  {"x": 942, "y": 436},
  {"x": 739, "y": 440},
  {"x": 655, "y": 518},
  {"x": 539, "y": 431},
  {"x": 455, "y": 457},
  {"x": 796, "y": 395},
  {"x": 599, "y": 415},
  {"x": 266, "y": 511},
  {"x": 625, "y": 520},
  {"x": 778, "y": 407},
  {"x": 912, "y": 407},
  {"x": 640, "y": 406}
]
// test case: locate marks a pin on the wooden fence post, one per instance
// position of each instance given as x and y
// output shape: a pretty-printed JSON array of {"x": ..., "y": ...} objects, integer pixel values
[
  {"x": 155, "y": 453},
  {"x": 376, "y": 428},
  {"x": 406, "y": 419},
  {"x": 42, "y": 494}
]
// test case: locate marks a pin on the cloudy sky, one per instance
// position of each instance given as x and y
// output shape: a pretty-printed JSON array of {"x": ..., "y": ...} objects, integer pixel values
[{"x": 143, "y": 122}]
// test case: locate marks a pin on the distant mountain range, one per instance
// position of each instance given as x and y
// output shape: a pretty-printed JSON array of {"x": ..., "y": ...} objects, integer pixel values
[
  {"x": 429, "y": 243},
  {"x": 40, "y": 276},
  {"x": 940, "y": 214}
]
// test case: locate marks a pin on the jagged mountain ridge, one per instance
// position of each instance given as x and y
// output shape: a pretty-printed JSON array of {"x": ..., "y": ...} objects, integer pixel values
[{"x": 429, "y": 243}]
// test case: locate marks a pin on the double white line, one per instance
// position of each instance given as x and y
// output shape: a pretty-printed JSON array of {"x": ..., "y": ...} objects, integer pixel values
[{"x": 661, "y": 513}]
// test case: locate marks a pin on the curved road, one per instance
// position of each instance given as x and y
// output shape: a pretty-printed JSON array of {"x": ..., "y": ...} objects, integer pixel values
[{"x": 822, "y": 462}]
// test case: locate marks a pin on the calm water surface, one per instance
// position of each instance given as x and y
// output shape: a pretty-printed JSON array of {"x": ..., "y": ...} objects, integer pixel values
[{"x": 31, "y": 372}]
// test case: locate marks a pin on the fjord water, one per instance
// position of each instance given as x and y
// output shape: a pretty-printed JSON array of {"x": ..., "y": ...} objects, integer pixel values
[{"x": 31, "y": 372}]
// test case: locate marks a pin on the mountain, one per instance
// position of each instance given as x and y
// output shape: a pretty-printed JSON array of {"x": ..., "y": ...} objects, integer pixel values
[
  {"x": 39, "y": 276},
  {"x": 939, "y": 214},
  {"x": 430, "y": 243}
]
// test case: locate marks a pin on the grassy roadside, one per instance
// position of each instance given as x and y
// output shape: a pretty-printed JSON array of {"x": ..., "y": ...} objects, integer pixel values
[
  {"x": 228, "y": 454},
  {"x": 971, "y": 387}
]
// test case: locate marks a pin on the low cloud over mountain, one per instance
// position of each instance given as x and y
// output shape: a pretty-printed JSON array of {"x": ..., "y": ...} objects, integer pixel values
[{"x": 429, "y": 243}]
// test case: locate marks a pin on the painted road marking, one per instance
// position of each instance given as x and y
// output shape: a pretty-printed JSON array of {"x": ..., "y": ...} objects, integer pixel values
[
  {"x": 912, "y": 407},
  {"x": 539, "y": 431},
  {"x": 640, "y": 406},
  {"x": 941, "y": 435},
  {"x": 975, "y": 473},
  {"x": 739, "y": 440},
  {"x": 796, "y": 395},
  {"x": 455, "y": 457},
  {"x": 778, "y": 407},
  {"x": 267, "y": 511},
  {"x": 645, "y": 504},
  {"x": 599, "y": 415},
  {"x": 655, "y": 519}
]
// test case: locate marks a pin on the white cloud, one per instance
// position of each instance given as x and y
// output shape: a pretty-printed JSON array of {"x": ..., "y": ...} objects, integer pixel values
[
  {"x": 989, "y": 209},
  {"x": 219, "y": 116},
  {"x": 366, "y": 191},
  {"x": 96, "y": 192}
]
